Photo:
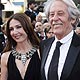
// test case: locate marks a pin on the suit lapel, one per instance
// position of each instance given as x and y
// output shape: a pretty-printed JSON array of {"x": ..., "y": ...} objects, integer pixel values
[
  {"x": 71, "y": 58},
  {"x": 69, "y": 63},
  {"x": 46, "y": 51},
  {"x": 45, "y": 54}
]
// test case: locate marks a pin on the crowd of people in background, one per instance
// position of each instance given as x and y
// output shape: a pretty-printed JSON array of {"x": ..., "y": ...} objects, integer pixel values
[
  {"x": 42, "y": 30},
  {"x": 40, "y": 24},
  {"x": 35, "y": 13}
]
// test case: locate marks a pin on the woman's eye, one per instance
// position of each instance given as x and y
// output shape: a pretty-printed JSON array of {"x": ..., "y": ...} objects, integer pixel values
[
  {"x": 15, "y": 27},
  {"x": 18, "y": 26},
  {"x": 11, "y": 29}
]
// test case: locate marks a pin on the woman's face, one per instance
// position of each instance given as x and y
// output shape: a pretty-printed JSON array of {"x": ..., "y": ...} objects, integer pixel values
[{"x": 16, "y": 31}]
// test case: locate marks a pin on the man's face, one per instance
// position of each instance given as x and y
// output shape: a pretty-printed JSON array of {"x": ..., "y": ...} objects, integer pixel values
[
  {"x": 78, "y": 30},
  {"x": 59, "y": 19},
  {"x": 32, "y": 6},
  {"x": 38, "y": 27}
]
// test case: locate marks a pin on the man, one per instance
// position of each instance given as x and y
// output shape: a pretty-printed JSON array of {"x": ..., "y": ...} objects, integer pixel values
[
  {"x": 30, "y": 12},
  {"x": 31, "y": 6},
  {"x": 39, "y": 30},
  {"x": 62, "y": 14}
]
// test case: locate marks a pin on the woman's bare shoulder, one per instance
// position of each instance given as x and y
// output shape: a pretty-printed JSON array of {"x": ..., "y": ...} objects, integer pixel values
[
  {"x": 6, "y": 54},
  {"x": 4, "y": 57}
]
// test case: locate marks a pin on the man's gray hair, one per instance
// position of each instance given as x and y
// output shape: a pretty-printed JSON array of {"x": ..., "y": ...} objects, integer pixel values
[{"x": 73, "y": 11}]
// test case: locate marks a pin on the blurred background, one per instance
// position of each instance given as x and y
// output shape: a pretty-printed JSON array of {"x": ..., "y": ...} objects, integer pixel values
[{"x": 8, "y": 7}]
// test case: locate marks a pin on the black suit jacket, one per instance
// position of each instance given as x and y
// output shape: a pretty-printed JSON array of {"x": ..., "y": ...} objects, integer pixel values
[
  {"x": 32, "y": 15},
  {"x": 71, "y": 69}
]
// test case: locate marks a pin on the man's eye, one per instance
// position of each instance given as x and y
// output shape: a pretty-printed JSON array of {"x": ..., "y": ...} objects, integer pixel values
[
  {"x": 51, "y": 14},
  {"x": 61, "y": 13}
]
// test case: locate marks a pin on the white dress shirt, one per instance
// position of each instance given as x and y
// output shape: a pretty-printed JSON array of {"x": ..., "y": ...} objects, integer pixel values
[{"x": 66, "y": 41}]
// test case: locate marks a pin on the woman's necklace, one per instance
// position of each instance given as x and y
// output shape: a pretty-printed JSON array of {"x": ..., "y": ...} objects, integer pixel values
[{"x": 23, "y": 57}]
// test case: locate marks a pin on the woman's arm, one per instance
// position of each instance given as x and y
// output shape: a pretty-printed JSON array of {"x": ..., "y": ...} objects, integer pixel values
[{"x": 4, "y": 60}]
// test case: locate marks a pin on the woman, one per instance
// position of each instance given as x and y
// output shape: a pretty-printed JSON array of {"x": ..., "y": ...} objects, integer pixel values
[{"x": 21, "y": 59}]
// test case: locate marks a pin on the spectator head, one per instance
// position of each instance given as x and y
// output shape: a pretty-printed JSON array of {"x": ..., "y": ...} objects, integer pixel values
[
  {"x": 31, "y": 4},
  {"x": 38, "y": 27},
  {"x": 39, "y": 18},
  {"x": 49, "y": 32},
  {"x": 78, "y": 30}
]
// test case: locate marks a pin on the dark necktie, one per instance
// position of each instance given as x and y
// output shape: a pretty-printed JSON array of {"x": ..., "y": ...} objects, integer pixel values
[{"x": 53, "y": 68}]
